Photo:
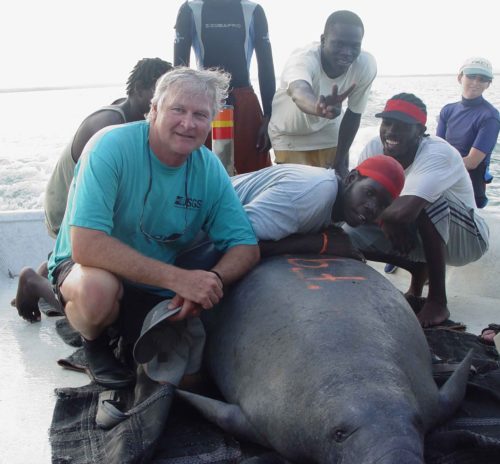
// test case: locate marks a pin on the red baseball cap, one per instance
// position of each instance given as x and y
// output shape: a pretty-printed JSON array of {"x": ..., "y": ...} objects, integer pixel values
[{"x": 386, "y": 171}]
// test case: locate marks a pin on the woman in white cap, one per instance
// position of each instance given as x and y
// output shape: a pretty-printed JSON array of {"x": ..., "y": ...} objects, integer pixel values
[{"x": 472, "y": 124}]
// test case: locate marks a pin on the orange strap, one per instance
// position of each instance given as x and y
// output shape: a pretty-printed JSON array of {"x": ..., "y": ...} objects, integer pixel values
[{"x": 325, "y": 243}]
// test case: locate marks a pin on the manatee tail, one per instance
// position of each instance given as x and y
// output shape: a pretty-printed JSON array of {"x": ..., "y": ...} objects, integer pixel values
[
  {"x": 452, "y": 392},
  {"x": 229, "y": 417}
]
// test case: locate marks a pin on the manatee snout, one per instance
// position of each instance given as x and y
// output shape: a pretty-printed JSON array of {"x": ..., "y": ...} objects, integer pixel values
[
  {"x": 400, "y": 456},
  {"x": 395, "y": 456},
  {"x": 379, "y": 449}
]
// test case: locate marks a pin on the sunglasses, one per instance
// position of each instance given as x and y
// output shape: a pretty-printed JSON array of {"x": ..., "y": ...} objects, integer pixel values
[
  {"x": 177, "y": 235},
  {"x": 478, "y": 77}
]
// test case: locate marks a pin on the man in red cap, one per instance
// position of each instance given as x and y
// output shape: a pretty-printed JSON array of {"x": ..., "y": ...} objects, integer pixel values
[
  {"x": 434, "y": 221},
  {"x": 292, "y": 207}
]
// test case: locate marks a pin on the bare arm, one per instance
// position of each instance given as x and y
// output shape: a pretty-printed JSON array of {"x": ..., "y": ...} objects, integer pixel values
[
  {"x": 404, "y": 209},
  {"x": 183, "y": 35},
  {"x": 263, "y": 140},
  {"x": 236, "y": 262},
  {"x": 473, "y": 158},
  {"x": 94, "y": 248},
  {"x": 332, "y": 241},
  {"x": 325, "y": 106},
  {"x": 267, "y": 79},
  {"x": 347, "y": 131},
  {"x": 396, "y": 219},
  {"x": 233, "y": 265},
  {"x": 89, "y": 127}
]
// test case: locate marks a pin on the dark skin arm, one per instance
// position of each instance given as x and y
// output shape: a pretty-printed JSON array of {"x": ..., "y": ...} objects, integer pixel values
[
  {"x": 267, "y": 79},
  {"x": 325, "y": 106},
  {"x": 89, "y": 127},
  {"x": 263, "y": 140},
  {"x": 338, "y": 244},
  {"x": 183, "y": 28},
  {"x": 397, "y": 218},
  {"x": 404, "y": 211},
  {"x": 347, "y": 131}
]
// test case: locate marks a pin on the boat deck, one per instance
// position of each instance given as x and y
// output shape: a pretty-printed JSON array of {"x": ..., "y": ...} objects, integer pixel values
[
  {"x": 30, "y": 375},
  {"x": 30, "y": 351}
]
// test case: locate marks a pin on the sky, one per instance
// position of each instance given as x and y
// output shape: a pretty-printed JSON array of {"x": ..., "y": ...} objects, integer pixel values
[{"x": 67, "y": 42}]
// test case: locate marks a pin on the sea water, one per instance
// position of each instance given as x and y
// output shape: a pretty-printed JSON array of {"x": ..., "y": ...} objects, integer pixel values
[{"x": 36, "y": 125}]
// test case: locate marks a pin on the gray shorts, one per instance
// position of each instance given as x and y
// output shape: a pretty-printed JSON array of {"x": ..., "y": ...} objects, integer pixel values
[{"x": 465, "y": 234}]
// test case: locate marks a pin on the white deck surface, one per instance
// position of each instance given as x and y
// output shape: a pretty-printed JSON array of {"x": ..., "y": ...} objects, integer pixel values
[
  {"x": 29, "y": 375},
  {"x": 28, "y": 355}
]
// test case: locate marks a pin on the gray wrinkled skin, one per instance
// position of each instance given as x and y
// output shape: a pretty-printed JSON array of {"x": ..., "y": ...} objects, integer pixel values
[{"x": 327, "y": 363}]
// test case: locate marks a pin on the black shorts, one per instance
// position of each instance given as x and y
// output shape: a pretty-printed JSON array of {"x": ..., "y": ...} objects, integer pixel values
[
  {"x": 134, "y": 305},
  {"x": 59, "y": 276}
]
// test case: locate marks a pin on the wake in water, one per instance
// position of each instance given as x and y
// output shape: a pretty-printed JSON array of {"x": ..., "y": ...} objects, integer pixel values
[{"x": 33, "y": 141}]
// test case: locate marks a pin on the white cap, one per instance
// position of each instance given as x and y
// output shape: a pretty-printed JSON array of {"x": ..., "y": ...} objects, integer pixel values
[{"x": 477, "y": 65}]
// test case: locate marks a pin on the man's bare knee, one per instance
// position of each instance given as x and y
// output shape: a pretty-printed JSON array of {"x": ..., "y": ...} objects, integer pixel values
[{"x": 92, "y": 292}]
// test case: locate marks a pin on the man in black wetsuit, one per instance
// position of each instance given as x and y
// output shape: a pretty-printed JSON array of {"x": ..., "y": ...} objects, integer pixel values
[{"x": 224, "y": 34}]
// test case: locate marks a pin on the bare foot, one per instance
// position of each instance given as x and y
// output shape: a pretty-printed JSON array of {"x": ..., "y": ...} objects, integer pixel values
[
  {"x": 487, "y": 336},
  {"x": 26, "y": 300},
  {"x": 433, "y": 313},
  {"x": 42, "y": 270}
]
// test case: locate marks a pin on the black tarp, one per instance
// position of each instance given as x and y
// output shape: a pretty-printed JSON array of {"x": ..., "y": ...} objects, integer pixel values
[{"x": 164, "y": 430}]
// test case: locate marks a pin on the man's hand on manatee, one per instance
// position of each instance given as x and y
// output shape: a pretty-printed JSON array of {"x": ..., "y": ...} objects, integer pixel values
[
  {"x": 339, "y": 244},
  {"x": 402, "y": 238},
  {"x": 196, "y": 290}
]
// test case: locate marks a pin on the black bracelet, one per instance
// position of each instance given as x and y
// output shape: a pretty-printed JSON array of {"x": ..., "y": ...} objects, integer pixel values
[{"x": 218, "y": 275}]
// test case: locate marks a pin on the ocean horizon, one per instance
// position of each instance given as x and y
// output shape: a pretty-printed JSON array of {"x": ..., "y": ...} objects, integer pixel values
[
  {"x": 39, "y": 121},
  {"x": 43, "y": 88}
]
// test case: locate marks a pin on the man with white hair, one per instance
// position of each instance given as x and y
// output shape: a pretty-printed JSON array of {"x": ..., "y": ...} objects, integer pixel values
[{"x": 141, "y": 194}]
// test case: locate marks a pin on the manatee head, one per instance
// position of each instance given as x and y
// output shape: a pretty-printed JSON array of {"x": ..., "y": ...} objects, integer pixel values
[
  {"x": 385, "y": 424},
  {"x": 377, "y": 430}
]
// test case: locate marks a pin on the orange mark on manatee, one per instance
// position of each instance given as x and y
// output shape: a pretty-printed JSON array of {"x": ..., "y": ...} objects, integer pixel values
[
  {"x": 313, "y": 287},
  {"x": 301, "y": 263},
  {"x": 332, "y": 278},
  {"x": 301, "y": 267}
]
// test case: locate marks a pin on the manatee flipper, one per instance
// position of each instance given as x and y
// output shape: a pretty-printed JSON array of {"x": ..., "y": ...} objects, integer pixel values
[
  {"x": 452, "y": 392},
  {"x": 229, "y": 417}
]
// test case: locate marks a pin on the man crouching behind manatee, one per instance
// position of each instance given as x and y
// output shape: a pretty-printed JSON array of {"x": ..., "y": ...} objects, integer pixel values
[{"x": 291, "y": 207}]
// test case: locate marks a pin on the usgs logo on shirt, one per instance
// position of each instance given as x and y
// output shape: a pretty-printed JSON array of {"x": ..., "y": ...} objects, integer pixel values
[{"x": 192, "y": 203}]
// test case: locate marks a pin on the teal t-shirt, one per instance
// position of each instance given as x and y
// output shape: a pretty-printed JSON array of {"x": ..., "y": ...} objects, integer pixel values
[{"x": 120, "y": 184}]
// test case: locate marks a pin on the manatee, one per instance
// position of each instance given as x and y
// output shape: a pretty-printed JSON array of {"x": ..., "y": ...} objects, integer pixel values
[{"x": 322, "y": 360}]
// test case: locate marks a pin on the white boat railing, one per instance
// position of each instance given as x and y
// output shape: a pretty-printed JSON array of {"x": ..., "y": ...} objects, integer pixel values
[{"x": 24, "y": 241}]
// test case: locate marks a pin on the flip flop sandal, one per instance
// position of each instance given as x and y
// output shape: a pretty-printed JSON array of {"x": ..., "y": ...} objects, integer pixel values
[
  {"x": 493, "y": 327},
  {"x": 449, "y": 325}
]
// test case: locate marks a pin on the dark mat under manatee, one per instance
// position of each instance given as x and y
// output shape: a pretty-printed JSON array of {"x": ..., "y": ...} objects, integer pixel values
[
  {"x": 155, "y": 432},
  {"x": 178, "y": 435},
  {"x": 69, "y": 335},
  {"x": 75, "y": 438},
  {"x": 472, "y": 435}
]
